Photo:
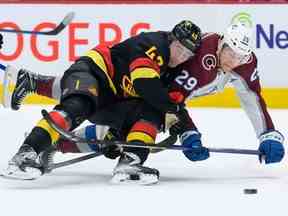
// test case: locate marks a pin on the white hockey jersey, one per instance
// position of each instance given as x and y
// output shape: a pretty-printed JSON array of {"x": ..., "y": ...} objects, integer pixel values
[{"x": 201, "y": 76}]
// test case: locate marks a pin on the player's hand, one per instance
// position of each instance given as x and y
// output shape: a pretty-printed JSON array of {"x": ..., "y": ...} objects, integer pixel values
[
  {"x": 192, "y": 139},
  {"x": 271, "y": 147},
  {"x": 1, "y": 40},
  {"x": 182, "y": 124},
  {"x": 112, "y": 152}
]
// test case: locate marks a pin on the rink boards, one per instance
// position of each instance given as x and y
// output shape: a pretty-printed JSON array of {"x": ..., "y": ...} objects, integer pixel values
[{"x": 104, "y": 23}]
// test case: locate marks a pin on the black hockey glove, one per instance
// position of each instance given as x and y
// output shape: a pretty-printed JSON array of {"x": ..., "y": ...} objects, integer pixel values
[
  {"x": 183, "y": 124},
  {"x": 112, "y": 151},
  {"x": 1, "y": 40}
]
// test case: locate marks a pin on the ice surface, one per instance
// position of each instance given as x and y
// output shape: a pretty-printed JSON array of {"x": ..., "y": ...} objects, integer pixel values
[{"x": 211, "y": 187}]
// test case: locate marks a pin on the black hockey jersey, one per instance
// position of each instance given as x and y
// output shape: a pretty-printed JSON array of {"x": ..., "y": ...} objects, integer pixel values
[{"x": 133, "y": 67}]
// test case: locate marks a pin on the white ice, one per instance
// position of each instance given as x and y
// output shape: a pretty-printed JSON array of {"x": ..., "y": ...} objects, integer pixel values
[{"x": 211, "y": 187}]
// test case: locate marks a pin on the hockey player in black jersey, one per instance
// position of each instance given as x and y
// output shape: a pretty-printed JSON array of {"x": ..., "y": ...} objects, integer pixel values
[{"x": 106, "y": 76}]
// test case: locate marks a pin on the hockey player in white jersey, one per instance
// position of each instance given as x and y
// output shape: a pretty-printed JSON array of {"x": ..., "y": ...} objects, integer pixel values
[{"x": 221, "y": 59}]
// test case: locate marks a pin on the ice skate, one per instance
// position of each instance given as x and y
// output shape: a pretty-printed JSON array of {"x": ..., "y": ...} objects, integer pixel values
[
  {"x": 16, "y": 85},
  {"x": 24, "y": 165},
  {"x": 46, "y": 159},
  {"x": 129, "y": 170}
]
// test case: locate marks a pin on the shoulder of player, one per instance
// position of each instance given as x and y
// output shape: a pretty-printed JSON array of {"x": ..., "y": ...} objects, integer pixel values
[
  {"x": 152, "y": 46},
  {"x": 157, "y": 37},
  {"x": 156, "y": 47},
  {"x": 249, "y": 66},
  {"x": 210, "y": 36},
  {"x": 209, "y": 44}
]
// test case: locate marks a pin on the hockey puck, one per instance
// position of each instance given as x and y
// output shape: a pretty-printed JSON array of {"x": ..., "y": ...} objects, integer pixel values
[{"x": 250, "y": 191}]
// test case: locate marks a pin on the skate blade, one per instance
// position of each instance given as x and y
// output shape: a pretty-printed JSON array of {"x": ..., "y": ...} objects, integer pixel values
[
  {"x": 124, "y": 179},
  {"x": 15, "y": 178},
  {"x": 17, "y": 174}
]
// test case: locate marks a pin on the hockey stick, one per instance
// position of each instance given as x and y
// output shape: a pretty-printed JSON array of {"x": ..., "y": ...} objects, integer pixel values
[
  {"x": 100, "y": 144},
  {"x": 74, "y": 160},
  {"x": 104, "y": 143},
  {"x": 166, "y": 142},
  {"x": 67, "y": 19}
]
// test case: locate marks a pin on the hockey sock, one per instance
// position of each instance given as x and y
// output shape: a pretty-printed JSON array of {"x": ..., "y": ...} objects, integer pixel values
[{"x": 142, "y": 131}]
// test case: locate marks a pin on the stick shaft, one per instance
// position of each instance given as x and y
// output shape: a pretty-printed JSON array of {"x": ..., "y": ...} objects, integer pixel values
[
  {"x": 235, "y": 151},
  {"x": 75, "y": 160},
  {"x": 103, "y": 143},
  {"x": 67, "y": 19}
]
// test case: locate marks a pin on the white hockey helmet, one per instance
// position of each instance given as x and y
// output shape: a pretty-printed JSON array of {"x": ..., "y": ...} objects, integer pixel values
[{"x": 238, "y": 38}]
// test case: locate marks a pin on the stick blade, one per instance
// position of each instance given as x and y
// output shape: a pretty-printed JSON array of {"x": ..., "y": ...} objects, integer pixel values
[{"x": 67, "y": 19}]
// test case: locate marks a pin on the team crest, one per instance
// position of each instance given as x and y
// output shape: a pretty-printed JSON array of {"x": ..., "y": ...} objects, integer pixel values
[
  {"x": 209, "y": 62},
  {"x": 127, "y": 87}
]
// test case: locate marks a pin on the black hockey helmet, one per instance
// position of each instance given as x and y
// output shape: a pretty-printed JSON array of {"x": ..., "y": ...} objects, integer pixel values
[{"x": 188, "y": 34}]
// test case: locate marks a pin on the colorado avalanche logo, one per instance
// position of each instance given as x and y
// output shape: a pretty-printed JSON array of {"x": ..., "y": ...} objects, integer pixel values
[{"x": 209, "y": 62}]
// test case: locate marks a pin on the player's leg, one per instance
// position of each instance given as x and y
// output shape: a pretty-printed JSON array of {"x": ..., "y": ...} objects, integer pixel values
[
  {"x": 18, "y": 83},
  {"x": 114, "y": 116},
  {"x": 92, "y": 131},
  {"x": 130, "y": 165},
  {"x": 89, "y": 132},
  {"x": 77, "y": 104}
]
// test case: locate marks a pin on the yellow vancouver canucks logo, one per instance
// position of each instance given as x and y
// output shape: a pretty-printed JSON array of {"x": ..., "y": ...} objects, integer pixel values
[{"x": 127, "y": 87}]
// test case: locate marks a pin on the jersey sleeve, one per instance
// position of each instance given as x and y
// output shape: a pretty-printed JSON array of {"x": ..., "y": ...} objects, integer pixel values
[
  {"x": 145, "y": 76},
  {"x": 246, "y": 81},
  {"x": 178, "y": 94}
]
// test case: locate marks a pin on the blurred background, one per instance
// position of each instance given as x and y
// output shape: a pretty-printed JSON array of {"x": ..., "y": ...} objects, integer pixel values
[{"x": 111, "y": 21}]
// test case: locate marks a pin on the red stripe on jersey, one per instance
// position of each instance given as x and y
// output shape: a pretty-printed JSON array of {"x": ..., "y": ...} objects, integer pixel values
[
  {"x": 59, "y": 120},
  {"x": 176, "y": 97},
  {"x": 144, "y": 62},
  {"x": 145, "y": 127},
  {"x": 105, "y": 53}
]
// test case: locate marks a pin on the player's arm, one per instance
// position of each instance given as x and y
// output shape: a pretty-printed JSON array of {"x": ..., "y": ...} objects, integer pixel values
[
  {"x": 188, "y": 133},
  {"x": 248, "y": 89},
  {"x": 246, "y": 81},
  {"x": 145, "y": 76},
  {"x": 147, "y": 83}
]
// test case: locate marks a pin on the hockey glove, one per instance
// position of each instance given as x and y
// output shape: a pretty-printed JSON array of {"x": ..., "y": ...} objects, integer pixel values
[
  {"x": 192, "y": 139},
  {"x": 271, "y": 147},
  {"x": 183, "y": 124},
  {"x": 112, "y": 151},
  {"x": 90, "y": 133}
]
